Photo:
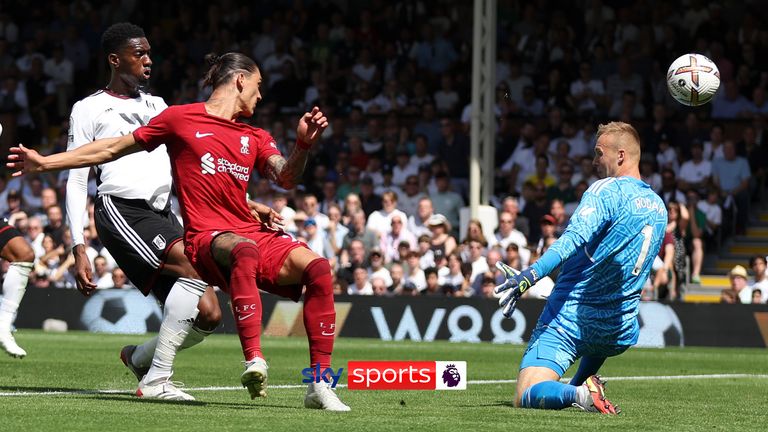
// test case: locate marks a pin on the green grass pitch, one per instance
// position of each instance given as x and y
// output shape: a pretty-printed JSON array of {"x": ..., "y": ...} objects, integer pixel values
[{"x": 93, "y": 390}]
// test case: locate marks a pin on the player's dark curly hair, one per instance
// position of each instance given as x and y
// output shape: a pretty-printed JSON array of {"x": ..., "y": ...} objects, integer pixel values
[
  {"x": 222, "y": 67},
  {"x": 117, "y": 35}
]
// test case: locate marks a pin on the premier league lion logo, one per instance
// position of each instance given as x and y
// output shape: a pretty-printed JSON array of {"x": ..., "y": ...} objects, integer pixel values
[{"x": 451, "y": 376}]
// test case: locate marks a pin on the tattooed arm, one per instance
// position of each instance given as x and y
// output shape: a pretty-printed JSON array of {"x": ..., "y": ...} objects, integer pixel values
[{"x": 287, "y": 173}]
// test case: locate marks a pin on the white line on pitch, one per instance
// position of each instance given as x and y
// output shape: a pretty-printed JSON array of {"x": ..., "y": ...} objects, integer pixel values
[{"x": 296, "y": 386}]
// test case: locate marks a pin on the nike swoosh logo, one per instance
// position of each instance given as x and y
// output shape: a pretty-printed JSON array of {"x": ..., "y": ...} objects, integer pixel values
[
  {"x": 242, "y": 317},
  {"x": 202, "y": 135},
  {"x": 327, "y": 334}
]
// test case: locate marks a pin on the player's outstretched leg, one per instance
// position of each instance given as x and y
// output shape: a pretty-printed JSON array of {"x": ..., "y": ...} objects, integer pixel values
[
  {"x": 591, "y": 397},
  {"x": 320, "y": 324},
  {"x": 14, "y": 287},
  {"x": 180, "y": 313}
]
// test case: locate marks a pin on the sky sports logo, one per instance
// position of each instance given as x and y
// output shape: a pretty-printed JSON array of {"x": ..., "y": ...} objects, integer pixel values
[{"x": 395, "y": 375}]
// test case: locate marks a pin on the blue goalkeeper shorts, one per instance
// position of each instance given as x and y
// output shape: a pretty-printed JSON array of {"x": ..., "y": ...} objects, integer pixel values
[{"x": 554, "y": 348}]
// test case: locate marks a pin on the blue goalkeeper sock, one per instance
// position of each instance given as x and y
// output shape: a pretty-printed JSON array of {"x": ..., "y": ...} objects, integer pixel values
[
  {"x": 549, "y": 395},
  {"x": 588, "y": 366}
]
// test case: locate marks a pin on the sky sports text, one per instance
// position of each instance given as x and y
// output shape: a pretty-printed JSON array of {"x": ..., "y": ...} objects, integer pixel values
[
  {"x": 407, "y": 375},
  {"x": 394, "y": 375}
]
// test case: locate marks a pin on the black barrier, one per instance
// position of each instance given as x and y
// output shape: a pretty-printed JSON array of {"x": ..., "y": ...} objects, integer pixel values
[{"x": 404, "y": 318}]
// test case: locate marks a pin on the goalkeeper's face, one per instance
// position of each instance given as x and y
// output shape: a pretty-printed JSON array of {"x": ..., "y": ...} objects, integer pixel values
[{"x": 606, "y": 156}]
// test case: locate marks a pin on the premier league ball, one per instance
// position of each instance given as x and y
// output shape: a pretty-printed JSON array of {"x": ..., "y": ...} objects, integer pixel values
[{"x": 693, "y": 79}]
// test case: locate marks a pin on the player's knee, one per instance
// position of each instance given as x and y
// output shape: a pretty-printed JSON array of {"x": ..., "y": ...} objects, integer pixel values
[
  {"x": 245, "y": 253},
  {"x": 317, "y": 277},
  {"x": 209, "y": 315}
]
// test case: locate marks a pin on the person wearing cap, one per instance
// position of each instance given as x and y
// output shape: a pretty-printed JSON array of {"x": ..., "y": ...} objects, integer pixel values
[
  {"x": 696, "y": 172},
  {"x": 377, "y": 269},
  {"x": 316, "y": 239},
  {"x": 738, "y": 283},
  {"x": 381, "y": 220},
  {"x": 441, "y": 237}
]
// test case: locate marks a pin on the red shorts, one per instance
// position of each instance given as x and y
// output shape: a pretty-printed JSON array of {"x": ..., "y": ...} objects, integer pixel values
[{"x": 274, "y": 247}]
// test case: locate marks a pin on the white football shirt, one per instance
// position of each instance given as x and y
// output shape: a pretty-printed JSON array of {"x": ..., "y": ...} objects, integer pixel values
[{"x": 142, "y": 175}]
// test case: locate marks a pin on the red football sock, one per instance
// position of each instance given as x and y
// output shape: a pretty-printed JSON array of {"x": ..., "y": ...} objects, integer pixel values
[
  {"x": 246, "y": 299},
  {"x": 319, "y": 312}
]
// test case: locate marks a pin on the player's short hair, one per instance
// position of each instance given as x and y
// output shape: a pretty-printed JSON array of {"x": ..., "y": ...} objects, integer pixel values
[
  {"x": 224, "y": 66},
  {"x": 626, "y": 134},
  {"x": 117, "y": 36}
]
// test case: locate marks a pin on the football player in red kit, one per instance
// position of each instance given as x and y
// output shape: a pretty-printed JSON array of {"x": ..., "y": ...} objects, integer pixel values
[{"x": 212, "y": 157}]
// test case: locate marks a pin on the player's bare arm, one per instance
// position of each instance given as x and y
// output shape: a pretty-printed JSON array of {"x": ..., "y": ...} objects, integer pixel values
[
  {"x": 27, "y": 161},
  {"x": 287, "y": 173}
]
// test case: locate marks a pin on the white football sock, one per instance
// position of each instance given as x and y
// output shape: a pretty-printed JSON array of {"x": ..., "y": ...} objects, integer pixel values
[
  {"x": 195, "y": 336},
  {"x": 14, "y": 287},
  {"x": 180, "y": 313}
]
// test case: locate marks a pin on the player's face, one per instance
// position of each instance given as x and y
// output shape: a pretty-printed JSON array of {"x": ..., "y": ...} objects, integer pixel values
[
  {"x": 251, "y": 94},
  {"x": 606, "y": 156},
  {"x": 133, "y": 62}
]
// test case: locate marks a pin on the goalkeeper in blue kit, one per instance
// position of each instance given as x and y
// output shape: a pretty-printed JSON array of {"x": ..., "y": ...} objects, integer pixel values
[{"x": 606, "y": 254}]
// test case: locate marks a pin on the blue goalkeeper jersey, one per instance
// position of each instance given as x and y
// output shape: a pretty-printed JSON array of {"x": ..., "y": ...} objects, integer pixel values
[{"x": 606, "y": 253}]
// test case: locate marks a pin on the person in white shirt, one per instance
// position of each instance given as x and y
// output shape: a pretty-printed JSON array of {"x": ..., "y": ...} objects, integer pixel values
[
  {"x": 738, "y": 278},
  {"x": 380, "y": 220},
  {"x": 391, "y": 241},
  {"x": 712, "y": 210},
  {"x": 417, "y": 222},
  {"x": 377, "y": 269},
  {"x": 696, "y": 172},
  {"x": 477, "y": 259},
  {"x": 361, "y": 284},
  {"x": 101, "y": 275},
  {"x": 588, "y": 93},
  {"x": 422, "y": 156},
  {"x": 133, "y": 214},
  {"x": 312, "y": 208},
  {"x": 409, "y": 200}
]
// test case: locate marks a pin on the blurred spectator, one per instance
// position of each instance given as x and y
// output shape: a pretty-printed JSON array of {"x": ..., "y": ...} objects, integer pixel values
[
  {"x": 587, "y": 92},
  {"x": 713, "y": 148},
  {"x": 369, "y": 200},
  {"x": 381, "y": 220},
  {"x": 391, "y": 240},
  {"x": 102, "y": 277},
  {"x": 738, "y": 279},
  {"x": 432, "y": 288},
  {"x": 728, "y": 103},
  {"x": 445, "y": 201},
  {"x": 379, "y": 286},
  {"x": 377, "y": 269},
  {"x": 669, "y": 191},
  {"x": 760, "y": 281},
  {"x": 696, "y": 172},
  {"x": 360, "y": 284},
  {"x": 731, "y": 174},
  {"x": 415, "y": 274},
  {"x": 359, "y": 231},
  {"x": 476, "y": 257},
  {"x": 441, "y": 237},
  {"x": 119, "y": 280},
  {"x": 397, "y": 274}
]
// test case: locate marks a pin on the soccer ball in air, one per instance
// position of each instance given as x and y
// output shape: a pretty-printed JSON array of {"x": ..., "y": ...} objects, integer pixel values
[{"x": 693, "y": 79}]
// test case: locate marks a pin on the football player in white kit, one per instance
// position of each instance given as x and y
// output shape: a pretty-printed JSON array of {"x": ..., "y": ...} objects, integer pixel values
[{"x": 133, "y": 216}]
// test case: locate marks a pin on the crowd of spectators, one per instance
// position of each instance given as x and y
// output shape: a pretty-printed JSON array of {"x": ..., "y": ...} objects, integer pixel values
[{"x": 383, "y": 190}]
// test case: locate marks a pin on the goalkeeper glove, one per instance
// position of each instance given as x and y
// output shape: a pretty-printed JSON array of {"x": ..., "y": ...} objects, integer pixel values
[{"x": 516, "y": 284}]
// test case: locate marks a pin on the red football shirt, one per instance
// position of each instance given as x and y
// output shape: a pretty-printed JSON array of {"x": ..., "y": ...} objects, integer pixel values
[{"x": 212, "y": 160}]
